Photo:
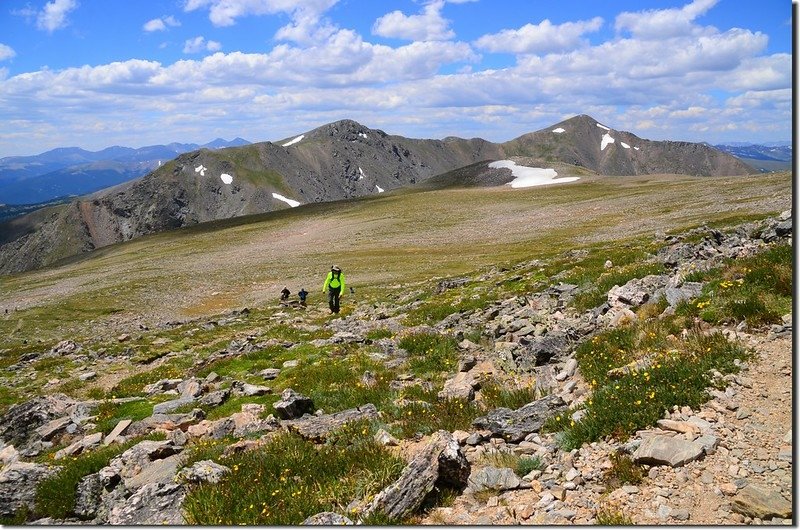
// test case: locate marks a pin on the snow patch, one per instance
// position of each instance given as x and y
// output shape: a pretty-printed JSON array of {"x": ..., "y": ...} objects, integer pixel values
[
  {"x": 290, "y": 202},
  {"x": 291, "y": 142},
  {"x": 606, "y": 140},
  {"x": 559, "y": 130},
  {"x": 227, "y": 179},
  {"x": 361, "y": 173},
  {"x": 623, "y": 144},
  {"x": 602, "y": 126},
  {"x": 636, "y": 148},
  {"x": 201, "y": 169},
  {"x": 526, "y": 177},
  {"x": 380, "y": 190},
  {"x": 363, "y": 135}
]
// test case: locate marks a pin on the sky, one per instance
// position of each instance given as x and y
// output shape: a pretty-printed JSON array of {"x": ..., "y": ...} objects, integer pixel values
[{"x": 96, "y": 73}]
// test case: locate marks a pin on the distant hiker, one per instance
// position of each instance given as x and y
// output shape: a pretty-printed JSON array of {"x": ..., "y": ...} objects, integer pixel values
[
  {"x": 285, "y": 294},
  {"x": 334, "y": 283},
  {"x": 302, "y": 294}
]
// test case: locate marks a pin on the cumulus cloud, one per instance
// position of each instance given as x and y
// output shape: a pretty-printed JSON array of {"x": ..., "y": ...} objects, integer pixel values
[
  {"x": 629, "y": 82},
  {"x": 199, "y": 44},
  {"x": 160, "y": 24},
  {"x": 6, "y": 52},
  {"x": 664, "y": 23},
  {"x": 544, "y": 37},
  {"x": 54, "y": 14},
  {"x": 428, "y": 25}
]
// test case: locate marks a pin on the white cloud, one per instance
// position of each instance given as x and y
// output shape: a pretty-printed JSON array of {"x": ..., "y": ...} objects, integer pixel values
[
  {"x": 669, "y": 88},
  {"x": 6, "y": 52},
  {"x": 225, "y": 12},
  {"x": 154, "y": 25},
  {"x": 429, "y": 25},
  {"x": 540, "y": 38},
  {"x": 664, "y": 23},
  {"x": 160, "y": 24},
  {"x": 199, "y": 44},
  {"x": 54, "y": 14}
]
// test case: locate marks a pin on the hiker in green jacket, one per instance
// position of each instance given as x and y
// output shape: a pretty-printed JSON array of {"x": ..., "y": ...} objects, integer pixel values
[{"x": 334, "y": 283}]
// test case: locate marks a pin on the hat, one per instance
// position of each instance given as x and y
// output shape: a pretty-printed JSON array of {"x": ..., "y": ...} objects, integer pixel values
[{"x": 336, "y": 269}]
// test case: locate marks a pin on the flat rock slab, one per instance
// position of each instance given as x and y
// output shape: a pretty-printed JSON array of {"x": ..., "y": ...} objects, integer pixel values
[
  {"x": 119, "y": 429},
  {"x": 152, "y": 504},
  {"x": 493, "y": 479},
  {"x": 760, "y": 502},
  {"x": 318, "y": 428},
  {"x": 667, "y": 450}
]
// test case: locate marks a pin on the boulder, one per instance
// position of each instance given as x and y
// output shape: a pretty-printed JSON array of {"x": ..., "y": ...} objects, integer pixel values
[
  {"x": 203, "y": 471},
  {"x": 19, "y": 424},
  {"x": 152, "y": 504},
  {"x": 515, "y": 425},
  {"x": 493, "y": 479},
  {"x": 440, "y": 464},
  {"x": 541, "y": 350},
  {"x": 761, "y": 502},
  {"x": 667, "y": 450},
  {"x": 318, "y": 428},
  {"x": 18, "y": 483},
  {"x": 293, "y": 405}
]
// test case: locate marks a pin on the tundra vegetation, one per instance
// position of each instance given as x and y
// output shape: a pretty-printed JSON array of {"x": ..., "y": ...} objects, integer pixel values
[{"x": 291, "y": 478}]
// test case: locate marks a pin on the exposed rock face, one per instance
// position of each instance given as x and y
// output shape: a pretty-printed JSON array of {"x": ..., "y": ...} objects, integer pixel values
[
  {"x": 19, "y": 425},
  {"x": 152, "y": 504},
  {"x": 18, "y": 483}
]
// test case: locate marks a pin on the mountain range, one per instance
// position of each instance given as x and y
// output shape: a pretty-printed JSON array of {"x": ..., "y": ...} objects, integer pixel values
[
  {"x": 74, "y": 171},
  {"x": 775, "y": 156},
  {"x": 340, "y": 160}
]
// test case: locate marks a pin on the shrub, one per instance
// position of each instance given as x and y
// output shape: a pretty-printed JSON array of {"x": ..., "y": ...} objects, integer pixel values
[{"x": 622, "y": 471}]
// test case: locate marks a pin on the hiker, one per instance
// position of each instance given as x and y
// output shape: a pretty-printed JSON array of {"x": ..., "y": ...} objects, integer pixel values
[
  {"x": 302, "y": 294},
  {"x": 285, "y": 294},
  {"x": 334, "y": 283}
]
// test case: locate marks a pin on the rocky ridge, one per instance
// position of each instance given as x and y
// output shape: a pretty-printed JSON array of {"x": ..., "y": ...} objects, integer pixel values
[
  {"x": 340, "y": 160},
  {"x": 730, "y": 462}
]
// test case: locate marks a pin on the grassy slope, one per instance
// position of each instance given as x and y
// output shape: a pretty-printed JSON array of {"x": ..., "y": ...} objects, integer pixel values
[{"x": 380, "y": 241}]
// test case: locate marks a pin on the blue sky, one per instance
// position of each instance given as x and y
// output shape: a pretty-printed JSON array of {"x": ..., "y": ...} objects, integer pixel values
[{"x": 95, "y": 73}]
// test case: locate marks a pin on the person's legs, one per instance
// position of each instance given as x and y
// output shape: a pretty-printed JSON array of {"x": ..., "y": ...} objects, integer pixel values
[{"x": 333, "y": 299}]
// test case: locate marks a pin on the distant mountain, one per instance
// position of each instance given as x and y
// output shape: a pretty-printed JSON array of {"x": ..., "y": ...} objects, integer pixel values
[
  {"x": 773, "y": 156},
  {"x": 336, "y": 161},
  {"x": 73, "y": 171}
]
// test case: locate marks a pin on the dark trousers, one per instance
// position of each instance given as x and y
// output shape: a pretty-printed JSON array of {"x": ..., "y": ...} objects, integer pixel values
[{"x": 333, "y": 298}]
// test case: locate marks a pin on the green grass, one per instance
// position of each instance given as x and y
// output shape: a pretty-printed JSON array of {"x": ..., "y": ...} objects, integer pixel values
[
  {"x": 430, "y": 354},
  {"x": 676, "y": 376},
  {"x": 521, "y": 464},
  {"x": 756, "y": 290},
  {"x": 496, "y": 393},
  {"x": 109, "y": 414},
  {"x": 292, "y": 479}
]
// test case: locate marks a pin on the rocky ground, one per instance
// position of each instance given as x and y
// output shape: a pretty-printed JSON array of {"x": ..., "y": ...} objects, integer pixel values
[
  {"x": 746, "y": 479},
  {"x": 730, "y": 462}
]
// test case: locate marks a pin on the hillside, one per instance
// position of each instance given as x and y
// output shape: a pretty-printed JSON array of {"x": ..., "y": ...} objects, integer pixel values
[
  {"x": 340, "y": 160},
  {"x": 520, "y": 363}
]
